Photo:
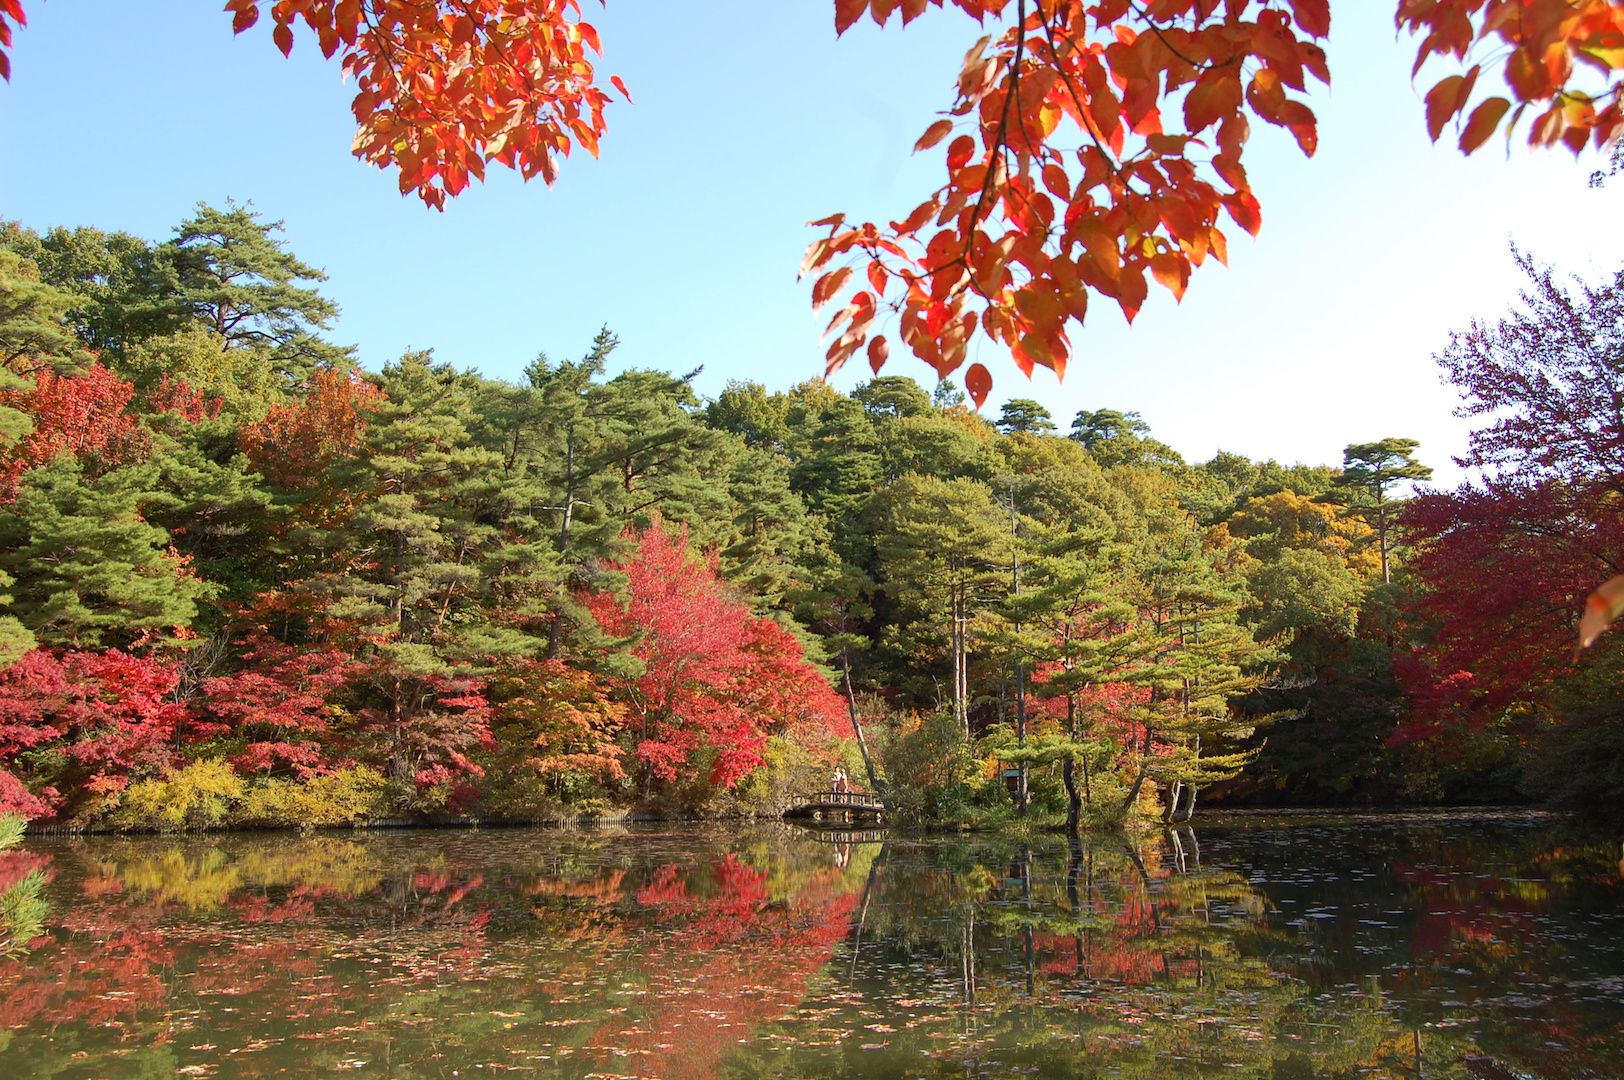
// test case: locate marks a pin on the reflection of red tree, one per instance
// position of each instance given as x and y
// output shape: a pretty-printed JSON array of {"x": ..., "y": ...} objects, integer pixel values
[
  {"x": 727, "y": 959},
  {"x": 1133, "y": 938},
  {"x": 1488, "y": 927},
  {"x": 604, "y": 890},
  {"x": 16, "y": 865},
  {"x": 1454, "y": 907},
  {"x": 87, "y": 982},
  {"x": 155, "y": 938}
]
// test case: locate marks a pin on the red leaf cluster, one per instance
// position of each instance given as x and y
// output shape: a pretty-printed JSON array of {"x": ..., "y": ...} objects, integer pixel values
[
  {"x": 1546, "y": 47},
  {"x": 281, "y": 704},
  {"x": 179, "y": 397},
  {"x": 1506, "y": 567},
  {"x": 111, "y": 714},
  {"x": 1098, "y": 146},
  {"x": 11, "y": 13},
  {"x": 443, "y": 89},
  {"x": 86, "y": 415},
  {"x": 714, "y": 676},
  {"x": 294, "y": 445}
]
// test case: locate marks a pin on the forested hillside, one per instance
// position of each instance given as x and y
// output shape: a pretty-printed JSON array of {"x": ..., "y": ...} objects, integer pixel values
[{"x": 246, "y": 581}]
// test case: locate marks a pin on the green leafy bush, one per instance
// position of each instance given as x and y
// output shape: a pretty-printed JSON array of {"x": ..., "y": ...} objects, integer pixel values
[{"x": 936, "y": 775}]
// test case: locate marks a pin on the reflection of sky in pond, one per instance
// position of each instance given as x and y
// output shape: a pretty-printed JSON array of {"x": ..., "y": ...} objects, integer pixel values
[{"x": 1263, "y": 947}]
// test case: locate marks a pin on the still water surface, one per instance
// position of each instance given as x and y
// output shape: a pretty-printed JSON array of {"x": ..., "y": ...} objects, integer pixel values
[{"x": 1280, "y": 948}]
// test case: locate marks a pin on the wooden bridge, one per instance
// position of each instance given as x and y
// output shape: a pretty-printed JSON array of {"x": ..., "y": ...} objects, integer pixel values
[{"x": 838, "y": 806}]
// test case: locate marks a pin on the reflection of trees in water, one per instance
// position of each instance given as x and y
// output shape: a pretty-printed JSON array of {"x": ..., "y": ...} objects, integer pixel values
[
  {"x": 1087, "y": 952},
  {"x": 321, "y": 951},
  {"x": 1087, "y": 957},
  {"x": 1502, "y": 912},
  {"x": 693, "y": 954}
]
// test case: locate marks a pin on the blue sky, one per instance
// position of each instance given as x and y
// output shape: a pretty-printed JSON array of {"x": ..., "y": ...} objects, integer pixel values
[{"x": 752, "y": 119}]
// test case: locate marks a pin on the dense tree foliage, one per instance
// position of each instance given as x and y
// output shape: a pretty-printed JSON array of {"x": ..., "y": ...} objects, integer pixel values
[{"x": 292, "y": 591}]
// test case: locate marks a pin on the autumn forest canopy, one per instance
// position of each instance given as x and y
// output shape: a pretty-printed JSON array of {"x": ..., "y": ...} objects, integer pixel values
[
  {"x": 1090, "y": 149},
  {"x": 248, "y": 582}
]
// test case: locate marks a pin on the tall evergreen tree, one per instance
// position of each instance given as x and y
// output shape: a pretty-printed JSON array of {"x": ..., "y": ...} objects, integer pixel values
[
  {"x": 943, "y": 549},
  {"x": 413, "y": 568},
  {"x": 1025, "y": 416},
  {"x": 1198, "y": 661},
  {"x": 234, "y": 276},
  {"x": 1369, "y": 472},
  {"x": 118, "y": 292}
]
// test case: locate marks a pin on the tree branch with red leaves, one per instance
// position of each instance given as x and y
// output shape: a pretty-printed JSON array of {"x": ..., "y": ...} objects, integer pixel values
[{"x": 1099, "y": 144}]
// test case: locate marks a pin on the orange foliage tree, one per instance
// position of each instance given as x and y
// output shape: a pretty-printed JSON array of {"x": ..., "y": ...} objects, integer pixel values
[{"x": 1092, "y": 146}]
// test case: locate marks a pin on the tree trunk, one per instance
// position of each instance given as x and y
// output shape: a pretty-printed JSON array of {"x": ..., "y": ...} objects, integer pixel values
[
  {"x": 1020, "y": 660},
  {"x": 874, "y": 783},
  {"x": 961, "y": 708},
  {"x": 1072, "y": 733},
  {"x": 1174, "y": 792},
  {"x": 1020, "y": 732},
  {"x": 1381, "y": 534},
  {"x": 1144, "y": 770},
  {"x": 555, "y": 633},
  {"x": 1074, "y": 801}
]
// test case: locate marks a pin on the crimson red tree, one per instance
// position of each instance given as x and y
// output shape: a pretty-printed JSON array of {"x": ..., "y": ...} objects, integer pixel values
[
  {"x": 113, "y": 717},
  {"x": 1505, "y": 563},
  {"x": 716, "y": 680},
  {"x": 85, "y": 415}
]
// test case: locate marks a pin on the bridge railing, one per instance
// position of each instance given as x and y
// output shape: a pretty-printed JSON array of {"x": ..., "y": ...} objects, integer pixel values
[{"x": 862, "y": 799}]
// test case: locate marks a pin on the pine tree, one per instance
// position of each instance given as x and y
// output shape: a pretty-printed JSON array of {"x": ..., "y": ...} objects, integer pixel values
[
  {"x": 90, "y": 571},
  {"x": 215, "y": 510},
  {"x": 1026, "y": 417},
  {"x": 117, "y": 291},
  {"x": 943, "y": 552},
  {"x": 409, "y": 577},
  {"x": 836, "y": 464},
  {"x": 1369, "y": 471},
  {"x": 235, "y": 277},
  {"x": 15, "y": 638},
  {"x": 1197, "y": 660},
  {"x": 34, "y": 334}
]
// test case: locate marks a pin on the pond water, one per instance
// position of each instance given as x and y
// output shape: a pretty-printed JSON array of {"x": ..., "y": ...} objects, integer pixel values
[{"x": 1486, "y": 947}]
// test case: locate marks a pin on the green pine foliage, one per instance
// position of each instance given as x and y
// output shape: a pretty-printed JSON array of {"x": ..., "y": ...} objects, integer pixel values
[
  {"x": 22, "y": 908},
  {"x": 88, "y": 569}
]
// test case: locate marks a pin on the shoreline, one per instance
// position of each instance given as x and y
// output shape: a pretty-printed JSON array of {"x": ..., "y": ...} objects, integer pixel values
[{"x": 1216, "y": 817}]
